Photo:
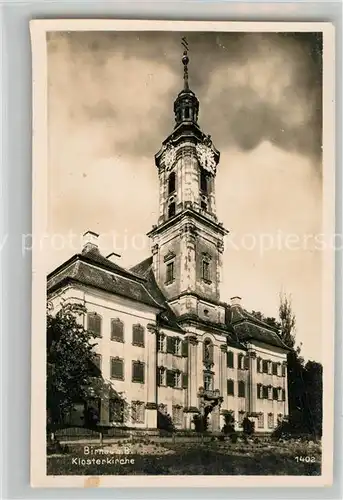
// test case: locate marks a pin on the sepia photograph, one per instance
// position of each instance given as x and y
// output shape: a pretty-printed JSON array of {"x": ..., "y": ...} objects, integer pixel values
[{"x": 183, "y": 245}]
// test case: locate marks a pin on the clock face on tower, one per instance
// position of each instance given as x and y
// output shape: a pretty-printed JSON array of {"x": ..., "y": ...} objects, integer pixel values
[
  {"x": 169, "y": 157},
  {"x": 206, "y": 158}
]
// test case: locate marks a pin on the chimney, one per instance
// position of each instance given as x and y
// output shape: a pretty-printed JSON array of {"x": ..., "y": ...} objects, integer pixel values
[
  {"x": 90, "y": 241},
  {"x": 236, "y": 301},
  {"x": 113, "y": 257}
]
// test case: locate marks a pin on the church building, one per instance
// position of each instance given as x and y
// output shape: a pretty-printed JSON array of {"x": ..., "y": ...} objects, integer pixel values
[{"x": 167, "y": 344}]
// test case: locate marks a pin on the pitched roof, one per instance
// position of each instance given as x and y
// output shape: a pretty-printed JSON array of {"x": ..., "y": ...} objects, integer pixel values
[
  {"x": 167, "y": 318},
  {"x": 248, "y": 327},
  {"x": 92, "y": 269}
]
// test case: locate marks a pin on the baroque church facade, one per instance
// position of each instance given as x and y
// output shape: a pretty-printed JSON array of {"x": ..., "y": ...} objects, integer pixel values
[{"x": 166, "y": 342}]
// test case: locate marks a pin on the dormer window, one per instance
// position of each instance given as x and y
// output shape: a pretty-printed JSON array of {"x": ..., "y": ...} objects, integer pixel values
[{"x": 171, "y": 183}]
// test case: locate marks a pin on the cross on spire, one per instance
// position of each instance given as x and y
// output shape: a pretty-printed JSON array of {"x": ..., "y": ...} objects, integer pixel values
[{"x": 185, "y": 61}]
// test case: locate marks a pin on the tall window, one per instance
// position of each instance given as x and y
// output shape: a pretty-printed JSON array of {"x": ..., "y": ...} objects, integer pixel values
[
  {"x": 177, "y": 414},
  {"x": 241, "y": 364},
  {"x": 230, "y": 387},
  {"x": 230, "y": 359},
  {"x": 117, "y": 330},
  {"x": 270, "y": 392},
  {"x": 171, "y": 209},
  {"x": 208, "y": 382},
  {"x": 265, "y": 366},
  {"x": 171, "y": 183},
  {"x": 203, "y": 181},
  {"x": 274, "y": 368},
  {"x": 259, "y": 365},
  {"x": 270, "y": 421},
  {"x": 283, "y": 369},
  {"x": 138, "y": 372},
  {"x": 94, "y": 323},
  {"x": 138, "y": 335},
  {"x": 117, "y": 368},
  {"x": 241, "y": 389},
  {"x": 170, "y": 272},
  {"x": 265, "y": 392},
  {"x": 177, "y": 346},
  {"x": 259, "y": 391},
  {"x": 116, "y": 410},
  {"x": 187, "y": 113},
  {"x": 138, "y": 412},
  {"x": 177, "y": 379},
  {"x": 283, "y": 395},
  {"x": 161, "y": 375},
  {"x": 161, "y": 342},
  {"x": 205, "y": 270},
  {"x": 275, "y": 394},
  {"x": 260, "y": 420}
]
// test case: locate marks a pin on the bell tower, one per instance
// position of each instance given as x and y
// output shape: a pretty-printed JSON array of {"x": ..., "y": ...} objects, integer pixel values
[{"x": 187, "y": 241}]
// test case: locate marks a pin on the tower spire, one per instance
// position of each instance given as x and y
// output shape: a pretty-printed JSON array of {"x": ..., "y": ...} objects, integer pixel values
[{"x": 185, "y": 61}]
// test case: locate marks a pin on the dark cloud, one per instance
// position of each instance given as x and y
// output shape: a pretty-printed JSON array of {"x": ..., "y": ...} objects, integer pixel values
[{"x": 235, "y": 110}]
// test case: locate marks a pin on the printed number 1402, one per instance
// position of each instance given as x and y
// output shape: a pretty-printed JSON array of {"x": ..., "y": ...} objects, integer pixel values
[{"x": 306, "y": 459}]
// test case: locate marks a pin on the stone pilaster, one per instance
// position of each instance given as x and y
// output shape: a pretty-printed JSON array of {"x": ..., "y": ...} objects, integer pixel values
[
  {"x": 252, "y": 383},
  {"x": 223, "y": 381},
  {"x": 192, "y": 392},
  {"x": 151, "y": 386},
  {"x": 188, "y": 256}
]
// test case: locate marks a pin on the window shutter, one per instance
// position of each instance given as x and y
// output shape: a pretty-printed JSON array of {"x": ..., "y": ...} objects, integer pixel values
[
  {"x": 170, "y": 345},
  {"x": 246, "y": 362},
  {"x": 170, "y": 378},
  {"x": 117, "y": 370},
  {"x": 185, "y": 380},
  {"x": 138, "y": 335},
  {"x": 185, "y": 348},
  {"x": 230, "y": 359},
  {"x": 117, "y": 330},
  {"x": 137, "y": 371}
]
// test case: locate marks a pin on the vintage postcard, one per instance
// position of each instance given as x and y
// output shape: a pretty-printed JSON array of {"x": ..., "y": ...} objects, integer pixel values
[{"x": 183, "y": 253}]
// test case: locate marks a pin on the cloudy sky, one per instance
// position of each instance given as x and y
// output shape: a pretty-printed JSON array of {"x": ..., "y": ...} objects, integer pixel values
[{"x": 110, "y": 105}]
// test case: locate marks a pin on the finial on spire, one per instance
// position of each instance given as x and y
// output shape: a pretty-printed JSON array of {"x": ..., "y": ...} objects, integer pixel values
[{"x": 185, "y": 61}]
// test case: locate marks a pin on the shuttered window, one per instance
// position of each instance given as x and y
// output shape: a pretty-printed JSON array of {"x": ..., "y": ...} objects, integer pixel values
[
  {"x": 230, "y": 387},
  {"x": 241, "y": 389},
  {"x": 265, "y": 366},
  {"x": 274, "y": 369},
  {"x": 138, "y": 371},
  {"x": 117, "y": 330},
  {"x": 94, "y": 323},
  {"x": 138, "y": 335},
  {"x": 265, "y": 392},
  {"x": 117, "y": 368},
  {"x": 230, "y": 359},
  {"x": 185, "y": 348}
]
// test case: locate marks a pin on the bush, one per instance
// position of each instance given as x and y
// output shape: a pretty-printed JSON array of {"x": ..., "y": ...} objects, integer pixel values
[
  {"x": 200, "y": 423},
  {"x": 248, "y": 427},
  {"x": 165, "y": 422},
  {"x": 229, "y": 424}
]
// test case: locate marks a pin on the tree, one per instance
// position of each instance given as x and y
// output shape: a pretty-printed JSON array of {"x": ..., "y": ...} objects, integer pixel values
[
  {"x": 248, "y": 426},
  {"x": 70, "y": 361}
]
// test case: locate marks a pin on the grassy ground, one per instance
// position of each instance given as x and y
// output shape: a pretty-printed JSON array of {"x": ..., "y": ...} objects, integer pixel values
[{"x": 191, "y": 459}]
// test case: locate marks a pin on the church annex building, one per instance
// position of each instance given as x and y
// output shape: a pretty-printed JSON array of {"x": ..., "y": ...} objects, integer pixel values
[{"x": 167, "y": 344}]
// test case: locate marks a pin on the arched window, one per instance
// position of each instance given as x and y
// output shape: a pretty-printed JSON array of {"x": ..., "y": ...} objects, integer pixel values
[
  {"x": 171, "y": 183},
  {"x": 94, "y": 323},
  {"x": 171, "y": 210},
  {"x": 203, "y": 181}
]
